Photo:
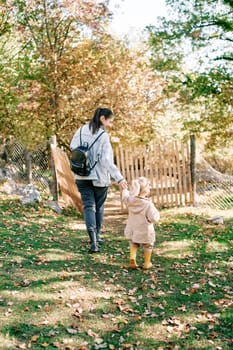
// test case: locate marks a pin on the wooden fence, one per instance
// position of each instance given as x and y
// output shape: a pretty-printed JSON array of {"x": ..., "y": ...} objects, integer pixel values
[
  {"x": 166, "y": 165},
  {"x": 65, "y": 180}
]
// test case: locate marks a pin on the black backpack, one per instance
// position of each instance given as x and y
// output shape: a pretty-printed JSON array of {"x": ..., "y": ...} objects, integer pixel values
[{"x": 79, "y": 161}]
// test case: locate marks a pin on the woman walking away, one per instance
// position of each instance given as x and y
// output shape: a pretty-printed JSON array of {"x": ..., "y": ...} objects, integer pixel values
[
  {"x": 141, "y": 216},
  {"x": 93, "y": 187}
]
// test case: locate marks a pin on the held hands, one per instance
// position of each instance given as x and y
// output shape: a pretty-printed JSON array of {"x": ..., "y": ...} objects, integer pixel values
[{"x": 123, "y": 185}]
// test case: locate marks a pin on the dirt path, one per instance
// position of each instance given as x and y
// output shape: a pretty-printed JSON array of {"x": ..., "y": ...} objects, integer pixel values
[{"x": 114, "y": 216}]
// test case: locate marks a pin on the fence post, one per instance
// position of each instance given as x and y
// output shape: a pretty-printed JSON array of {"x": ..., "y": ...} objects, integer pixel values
[
  {"x": 28, "y": 166},
  {"x": 53, "y": 142},
  {"x": 193, "y": 167}
]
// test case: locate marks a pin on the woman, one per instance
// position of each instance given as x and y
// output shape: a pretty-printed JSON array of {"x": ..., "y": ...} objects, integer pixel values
[{"x": 93, "y": 188}]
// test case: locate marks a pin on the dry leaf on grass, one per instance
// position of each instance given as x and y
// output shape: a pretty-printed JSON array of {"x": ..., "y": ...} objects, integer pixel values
[
  {"x": 72, "y": 331},
  {"x": 35, "y": 337}
]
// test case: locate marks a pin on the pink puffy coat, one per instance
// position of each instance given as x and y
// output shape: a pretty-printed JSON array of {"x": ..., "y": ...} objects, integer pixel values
[{"x": 141, "y": 216}]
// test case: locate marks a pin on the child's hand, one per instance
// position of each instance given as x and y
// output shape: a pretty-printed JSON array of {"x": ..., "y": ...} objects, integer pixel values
[{"x": 123, "y": 185}]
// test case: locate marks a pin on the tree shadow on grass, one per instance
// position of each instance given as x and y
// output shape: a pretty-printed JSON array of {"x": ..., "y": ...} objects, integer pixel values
[{"x": 189, "y": 281}]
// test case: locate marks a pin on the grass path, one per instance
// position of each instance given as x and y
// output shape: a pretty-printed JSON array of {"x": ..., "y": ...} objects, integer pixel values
[{"x": 55, "y": 295}]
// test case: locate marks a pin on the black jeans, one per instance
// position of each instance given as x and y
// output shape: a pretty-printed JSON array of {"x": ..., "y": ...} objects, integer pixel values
[{"x": 93, "y": 199}]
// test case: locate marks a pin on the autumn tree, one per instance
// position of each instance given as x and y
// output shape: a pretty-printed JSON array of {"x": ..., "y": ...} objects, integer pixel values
[
  {"x": 7, "y": 51},
  {"x": 44, "y": 30},
  {"x": 67, "y": 65},
  {"x": 105, "y": 72},
  {"x": 199, "y": 31}
]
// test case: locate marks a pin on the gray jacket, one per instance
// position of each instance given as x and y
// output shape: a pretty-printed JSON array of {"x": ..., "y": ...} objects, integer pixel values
[{"x": 101, "y": 151}]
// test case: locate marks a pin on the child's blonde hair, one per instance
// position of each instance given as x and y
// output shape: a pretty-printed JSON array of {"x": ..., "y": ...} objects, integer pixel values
[{"x": 138, "y": 186}]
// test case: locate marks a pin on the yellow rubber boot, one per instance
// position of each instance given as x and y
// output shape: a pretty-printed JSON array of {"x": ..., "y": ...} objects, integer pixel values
[
  {"x": 147, "y": 258},
  {"x": 133, "y": 254}
]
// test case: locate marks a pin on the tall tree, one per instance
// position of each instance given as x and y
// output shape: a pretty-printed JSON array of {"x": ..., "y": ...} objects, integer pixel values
[
  {"x": 202, "y": 31},
  {"x": 65, "y": 65},
  {"x": 105, "y": 72},
  {"x": 44, "y": 30},
  {"x": 6, "y": 52}
]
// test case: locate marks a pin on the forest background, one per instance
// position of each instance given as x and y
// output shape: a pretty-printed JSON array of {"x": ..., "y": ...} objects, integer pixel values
[{"x": 59, "y": 61}]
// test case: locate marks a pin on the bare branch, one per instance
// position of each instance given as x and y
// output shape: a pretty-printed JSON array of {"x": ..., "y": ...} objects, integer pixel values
[
  {"x": 47, "y": 25},
  {"x": 65, "y": 35},
  {"x": 224, "y": 57},
  {"x": 227, "y": 39}
]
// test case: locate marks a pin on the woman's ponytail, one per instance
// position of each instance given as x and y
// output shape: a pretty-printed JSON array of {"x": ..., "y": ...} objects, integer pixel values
[
  {"x": 96, "y": 117},
  {"x": 95, "y": 122}
]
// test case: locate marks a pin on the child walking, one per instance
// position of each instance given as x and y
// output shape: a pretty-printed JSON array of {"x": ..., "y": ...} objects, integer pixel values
[{"x": 142, "y": 214}]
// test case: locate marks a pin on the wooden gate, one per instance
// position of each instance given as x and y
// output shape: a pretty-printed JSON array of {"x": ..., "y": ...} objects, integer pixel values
[
  {"x": 167, "y": 166},
  {"x": 65, "y": 179}
]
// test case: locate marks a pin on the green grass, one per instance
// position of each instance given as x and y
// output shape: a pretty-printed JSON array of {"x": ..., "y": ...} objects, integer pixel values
[{"x": 55, "y": 295}]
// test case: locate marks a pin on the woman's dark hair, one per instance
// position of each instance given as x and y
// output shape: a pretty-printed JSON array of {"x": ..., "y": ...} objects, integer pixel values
[{"x": 95, "y": 122}]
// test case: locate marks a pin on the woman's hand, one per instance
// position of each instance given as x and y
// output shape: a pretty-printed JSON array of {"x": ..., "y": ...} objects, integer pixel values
[{"x": 123, "y": 185}]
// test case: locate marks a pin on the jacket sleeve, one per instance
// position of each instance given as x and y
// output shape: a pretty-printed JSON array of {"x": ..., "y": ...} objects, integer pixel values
[
  {"x": 75, "y": 142},
  {"x": 107, "y": 160},
  {"x": 152, "y": 214}
]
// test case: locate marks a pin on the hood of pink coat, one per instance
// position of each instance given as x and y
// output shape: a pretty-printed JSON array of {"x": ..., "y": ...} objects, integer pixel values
[{"x": 137, "y": 205}]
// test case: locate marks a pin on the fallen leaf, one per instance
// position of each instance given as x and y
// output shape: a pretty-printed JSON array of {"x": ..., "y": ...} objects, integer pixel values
[
  {"x": 72, "y": 331},
  {"x": 169, "y": 329},
  {"x": 92, "y": 334},
  {"x": 107, "y": 315},
  {"x": 34, "y": 338},
  {"x": 132, "y": 291},
  {"x": 224, "y": 303},
  {"x": 125, "y": 308},
  {"x": 56, "y": 344},
  {"x": 211, "y": 284},
  {"x": 137, "y": 318},
  {"x": 51, "y": 333},
  {"x": 182, "y": 308},
  {"x": 99, "y": 340},
  {"x": 22, "y": 346},
  {"x": 213, "y": 335},
  {"x": 126, "y": 346}
]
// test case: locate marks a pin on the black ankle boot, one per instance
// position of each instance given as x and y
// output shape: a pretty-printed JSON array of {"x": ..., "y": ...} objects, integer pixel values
[
  {"x": 94, "y": 248},
  {"x": 99, "y": 240},
  {"x": 94, "y": 243}
]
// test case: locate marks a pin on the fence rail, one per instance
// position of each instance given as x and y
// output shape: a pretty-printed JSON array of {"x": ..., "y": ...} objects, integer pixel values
[{"x": 167, "y": 166}]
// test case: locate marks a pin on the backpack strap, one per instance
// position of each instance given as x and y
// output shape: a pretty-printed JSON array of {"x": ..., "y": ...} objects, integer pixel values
[
  {"x": 97, "y": 138},
  {"x": 80, "y": 136}
]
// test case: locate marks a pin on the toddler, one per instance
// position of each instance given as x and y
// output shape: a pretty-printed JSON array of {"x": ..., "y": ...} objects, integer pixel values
[{"x": 141, "y": 216}]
